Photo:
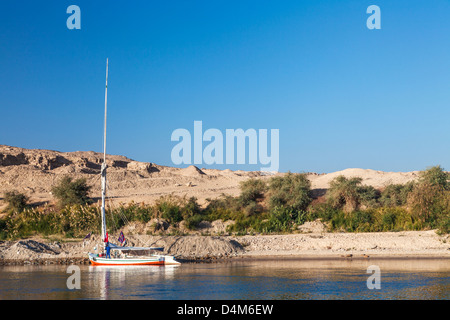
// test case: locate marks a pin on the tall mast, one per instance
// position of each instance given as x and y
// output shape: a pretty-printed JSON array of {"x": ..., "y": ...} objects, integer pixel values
[
  {"x": 106, "y": 108},
  {"x": 103, "y": 171}
]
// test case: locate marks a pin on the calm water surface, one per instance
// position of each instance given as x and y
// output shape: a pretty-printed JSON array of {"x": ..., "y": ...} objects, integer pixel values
[{"x": 285, "y": 279}]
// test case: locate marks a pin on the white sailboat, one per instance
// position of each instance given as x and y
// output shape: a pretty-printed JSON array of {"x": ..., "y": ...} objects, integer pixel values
[{"x": 123, "y": 256}]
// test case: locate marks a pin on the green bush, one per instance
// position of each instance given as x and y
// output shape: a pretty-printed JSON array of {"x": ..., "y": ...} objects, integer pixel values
[
  {"x": 169, "y": 208},
  {"x": 430, "y": 198},
  {"x": 396, "y": 219},
  {"x": 369, "y": 196},
  {"x": 264, "y": 208},
  {"x": 349, "y": 195},
  {"x": 69, "y": 192},
  {"x": 189, "y": 208},
  {"x": 248, "y": 224},
  {"x": 252, "y": 190},
  {"x": 444, "y": 224},
  {"x": 225, "y": 207},
  {"x": 323, "y": 211},
  {"x": 192, "y": 222},
  {"x": 374, "y": 220},
  {"x": 282, "y": 219},
  {"x": 75, "y": 220},
  {"x": 435, "y": 176},
  {"x": 428, "y": 202},
  {"x": 3, "y": 229},
  {"x": 16, "y": 201},
  {"x": 396, "y": 194},
  {"x": 388, "y": 221},
  {"x": 78, "y": 220},
  {"x": 133, "y": 212},
  {"x": 252, "y": 208},
  {"x": 291, "y": 190},
  {"x": 361, "y": 221},
  {"x": 355, "y": 221},
  {"x": 344, "y": 193}
]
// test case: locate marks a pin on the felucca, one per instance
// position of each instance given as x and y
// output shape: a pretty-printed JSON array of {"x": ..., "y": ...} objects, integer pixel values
[{"x": 121, "y": 255}]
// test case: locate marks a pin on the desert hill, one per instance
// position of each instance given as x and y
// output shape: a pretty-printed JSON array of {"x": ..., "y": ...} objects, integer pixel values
[{"x": 34, "y": 172}]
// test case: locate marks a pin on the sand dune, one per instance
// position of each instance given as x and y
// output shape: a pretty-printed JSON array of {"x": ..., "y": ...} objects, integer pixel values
[{"x": 377, "y": 179}]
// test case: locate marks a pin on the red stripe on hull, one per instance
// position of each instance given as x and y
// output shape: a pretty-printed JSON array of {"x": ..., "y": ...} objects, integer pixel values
[{"x": 149, "y": 263}]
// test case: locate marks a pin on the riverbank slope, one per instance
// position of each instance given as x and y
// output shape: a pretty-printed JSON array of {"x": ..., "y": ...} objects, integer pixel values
[{"x": 405, "y": 244}]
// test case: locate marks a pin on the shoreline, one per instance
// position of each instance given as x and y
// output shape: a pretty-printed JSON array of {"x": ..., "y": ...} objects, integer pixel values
[
  {"x": 241, "y": 258},
  {"x": 404, "y": 245},
  {"x": 326, "y": 257}
]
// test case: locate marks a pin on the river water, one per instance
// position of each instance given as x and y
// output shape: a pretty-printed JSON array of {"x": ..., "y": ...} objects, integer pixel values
[{"x": 256, "y": 280}]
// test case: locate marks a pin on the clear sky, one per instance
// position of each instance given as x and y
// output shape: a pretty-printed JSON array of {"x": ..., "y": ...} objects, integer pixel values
[{"x": 342, "y": 96}]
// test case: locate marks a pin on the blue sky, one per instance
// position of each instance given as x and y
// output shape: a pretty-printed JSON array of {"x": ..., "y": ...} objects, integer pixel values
[{"x": 342, "y": 96}]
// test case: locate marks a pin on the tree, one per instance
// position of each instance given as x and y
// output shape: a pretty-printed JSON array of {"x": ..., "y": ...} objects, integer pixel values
[
  {"x": 429, "y": 199},
  {"x": 16, "y": 201},
  {"x": 69, "y": 192},
  {"x": 252, "y": 192},
  {"x": 344, "y": 193},
  {"x": 293, "y": 190},
  {"x": 396, "y": 194},
  {"x": 435, "y": 176}
]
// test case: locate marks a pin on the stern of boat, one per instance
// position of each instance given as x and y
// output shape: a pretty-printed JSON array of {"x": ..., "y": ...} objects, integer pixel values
[{"x": 170, "y": 260}]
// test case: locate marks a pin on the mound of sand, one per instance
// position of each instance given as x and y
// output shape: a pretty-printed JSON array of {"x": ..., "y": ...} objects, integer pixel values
[
  {"x": 316, "y": 226},
  {"x": 189, "y": 247},
  {"x": 202, "y": 247},
  {"x": 377, "y": 179},
  {"x": 29, "y": 249},
  {"x": 192, "y": 171}
]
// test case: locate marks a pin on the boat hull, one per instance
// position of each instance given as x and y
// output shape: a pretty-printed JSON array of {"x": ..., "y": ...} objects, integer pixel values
[{"x": 150, "y": 261}]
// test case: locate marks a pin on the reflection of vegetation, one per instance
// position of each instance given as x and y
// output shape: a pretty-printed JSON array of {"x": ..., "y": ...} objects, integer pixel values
[{"x": 278, "y": 204}]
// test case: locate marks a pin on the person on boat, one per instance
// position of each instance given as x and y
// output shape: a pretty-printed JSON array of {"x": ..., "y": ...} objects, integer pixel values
[
  {"x": 107, "y": 247},
  {"x": 108, "y": 251}
]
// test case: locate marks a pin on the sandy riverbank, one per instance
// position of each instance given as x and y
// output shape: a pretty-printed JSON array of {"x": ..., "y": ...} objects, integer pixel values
[
  {"x": 407, "y": 244},
  {"x": 381, "y": 244}
]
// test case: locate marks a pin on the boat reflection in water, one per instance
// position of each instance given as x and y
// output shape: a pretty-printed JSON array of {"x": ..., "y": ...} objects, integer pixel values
[{"x": 124, "y": 278}]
